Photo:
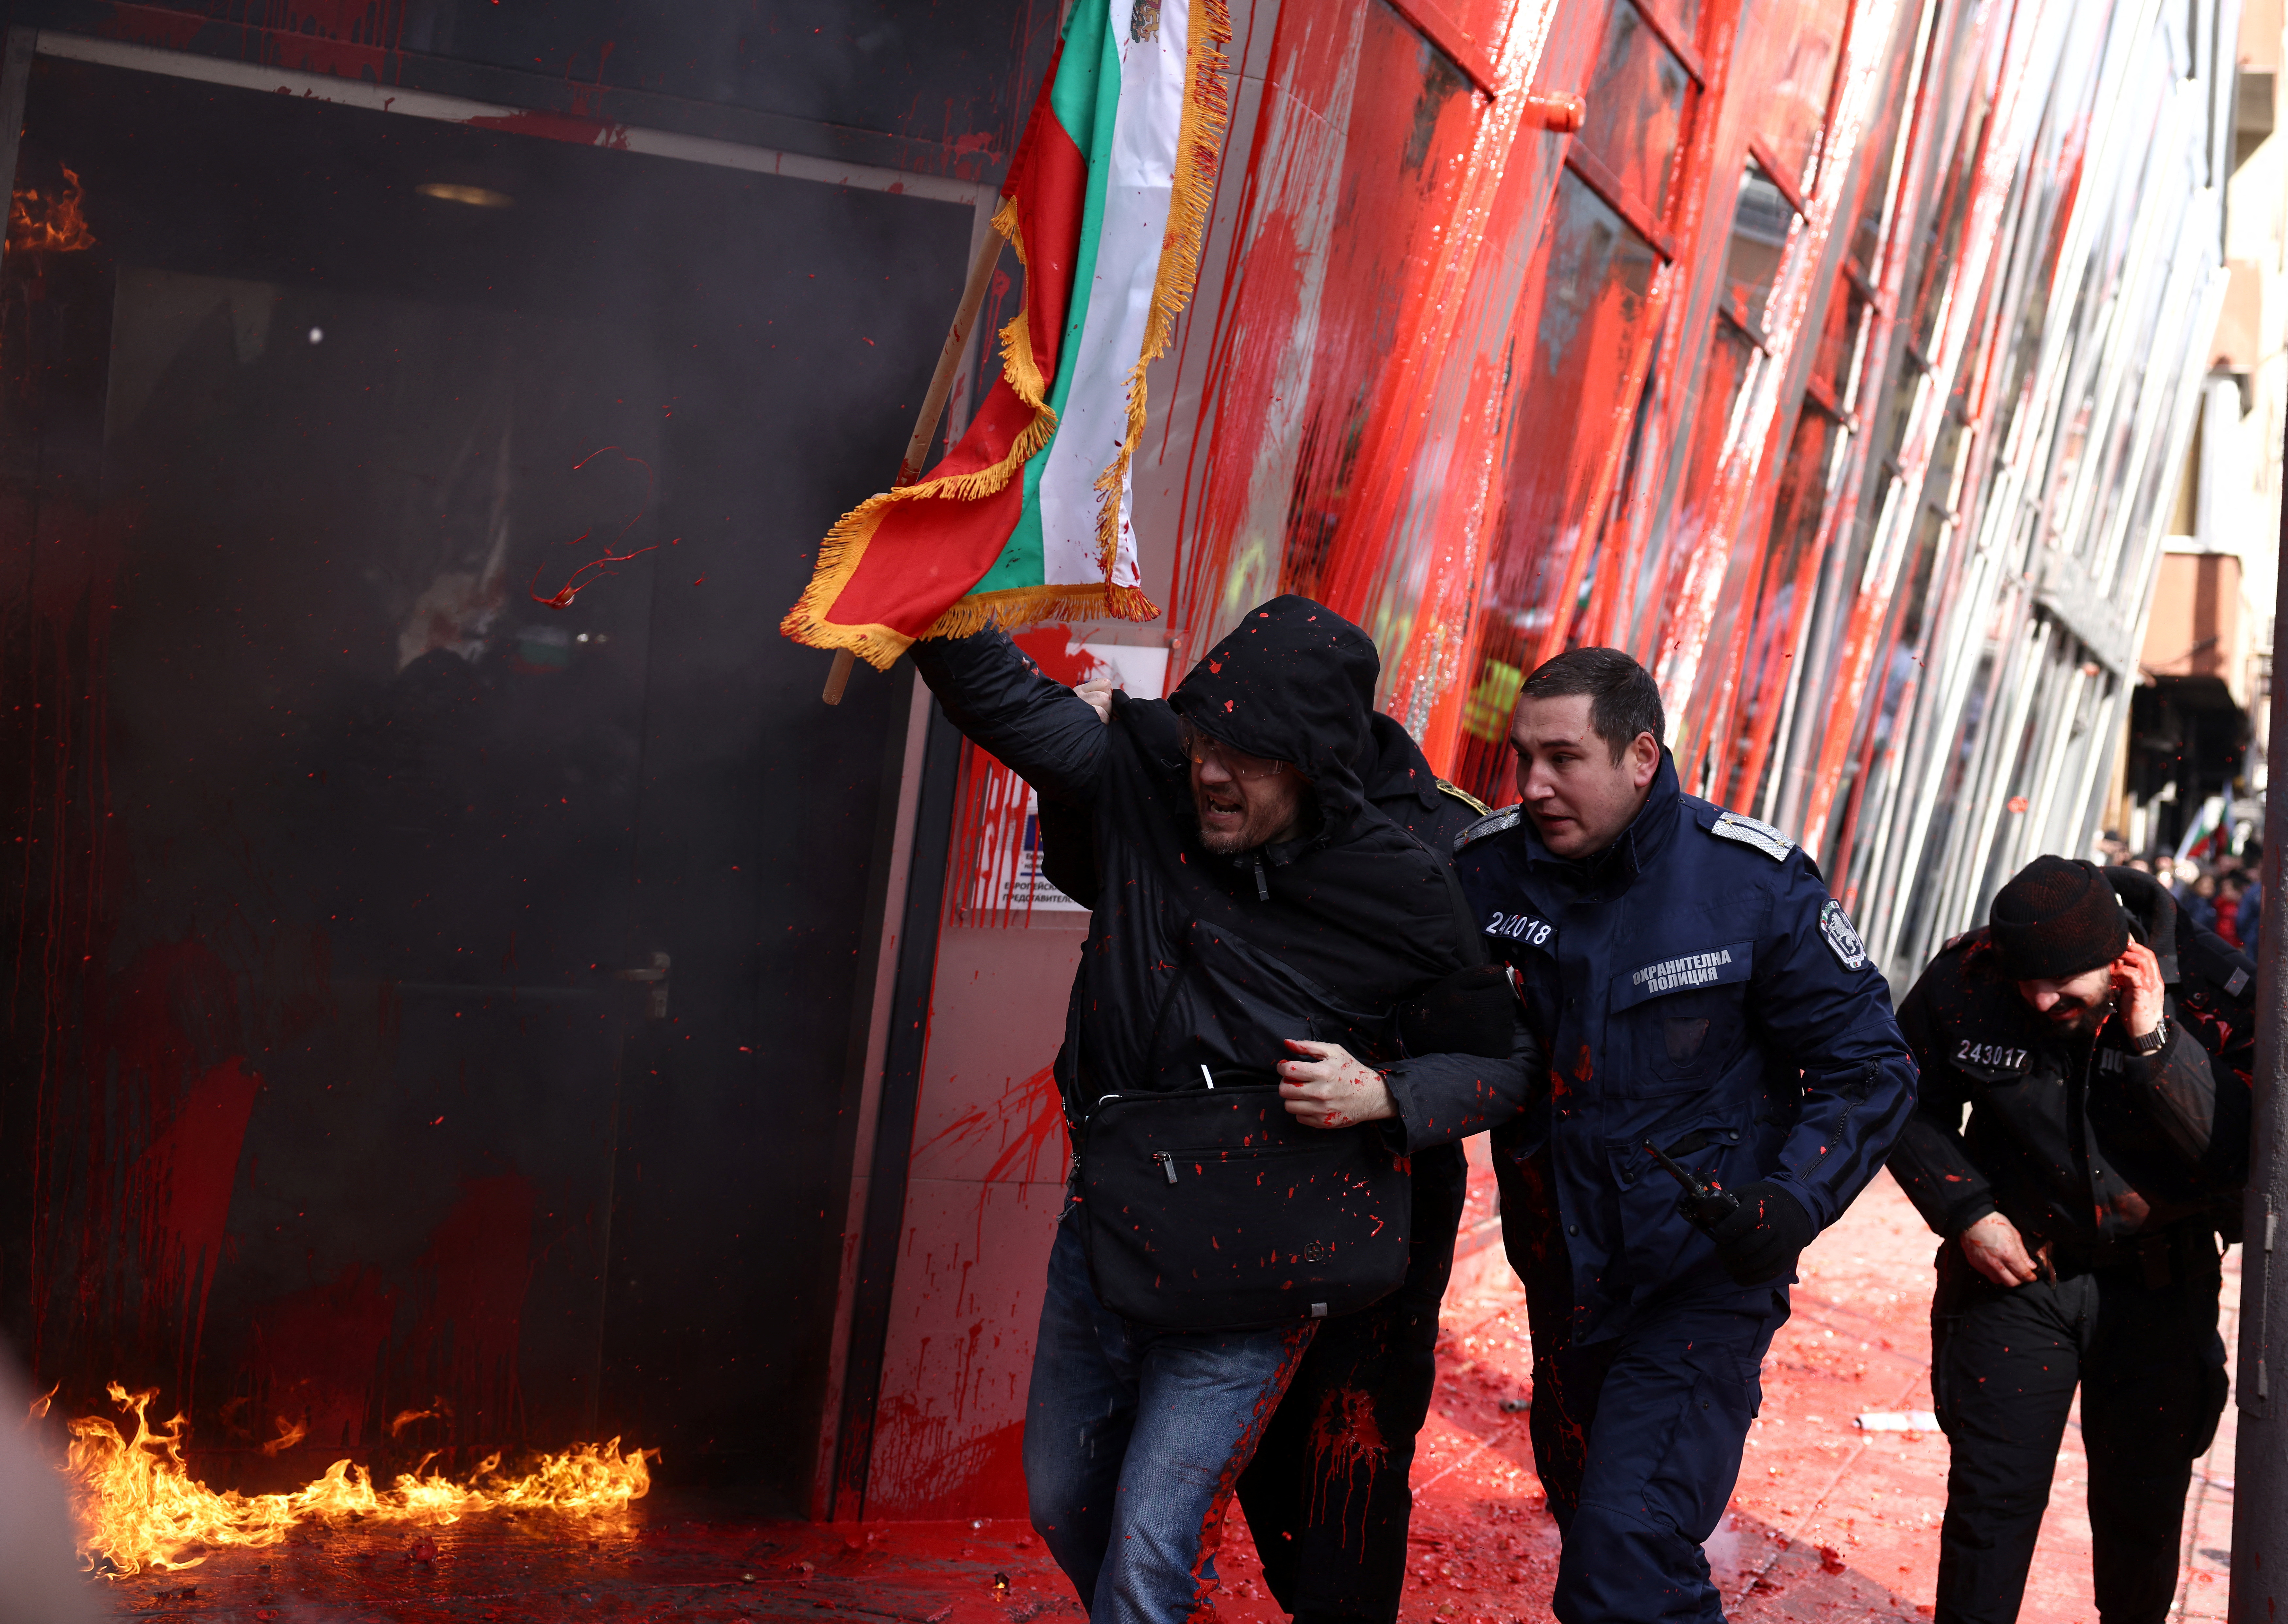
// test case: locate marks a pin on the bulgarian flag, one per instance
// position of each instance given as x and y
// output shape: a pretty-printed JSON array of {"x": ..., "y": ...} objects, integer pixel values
[{"x": 1028, "y": 517}]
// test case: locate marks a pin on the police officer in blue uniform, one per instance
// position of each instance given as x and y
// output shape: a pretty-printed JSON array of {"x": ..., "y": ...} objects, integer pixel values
[{"x": 1699, "y": 994}]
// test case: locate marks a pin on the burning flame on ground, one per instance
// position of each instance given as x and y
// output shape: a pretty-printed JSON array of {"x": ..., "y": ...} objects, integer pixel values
[
  {"x": 41, "y": 223},
  {"x": 138, "y": 1507}
]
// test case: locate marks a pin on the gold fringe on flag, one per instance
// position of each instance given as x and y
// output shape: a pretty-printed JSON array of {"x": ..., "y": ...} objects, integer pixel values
[
  {"x": 1199, "y": 142},
  {"x": 1199, "y": 146},
  {"x": 838, "y": 555}
]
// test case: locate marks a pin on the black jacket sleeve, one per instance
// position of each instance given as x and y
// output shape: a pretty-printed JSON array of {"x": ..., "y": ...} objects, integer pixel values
[
  {"x": 1042, "y": 730},
  {"x": 2175, "y": 1090},
  {"x": 1443, "y": 1099},
  {"x": 1929, "y": 1158},
  {"x": 2194, "y": 1105}
]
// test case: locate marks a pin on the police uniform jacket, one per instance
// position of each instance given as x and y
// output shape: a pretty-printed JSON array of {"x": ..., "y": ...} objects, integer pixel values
[
  {"x": 1695, "y": 986},
  {"x": 2075, "y": 1138}
]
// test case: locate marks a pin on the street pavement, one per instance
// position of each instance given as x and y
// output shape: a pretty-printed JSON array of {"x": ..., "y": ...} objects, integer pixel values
[{"x": 1831, "y": 1522}]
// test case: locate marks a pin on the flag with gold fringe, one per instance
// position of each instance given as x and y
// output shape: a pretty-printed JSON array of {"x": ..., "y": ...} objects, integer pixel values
[{"x": 1027, "y": 518}]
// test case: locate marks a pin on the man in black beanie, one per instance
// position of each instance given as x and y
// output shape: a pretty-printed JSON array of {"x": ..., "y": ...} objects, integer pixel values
[{"x": 2101, "y": 1044}]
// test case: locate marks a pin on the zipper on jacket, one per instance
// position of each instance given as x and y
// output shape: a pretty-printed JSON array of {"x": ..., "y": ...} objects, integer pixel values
[
  {"x": 1262, "y": 881},
  {"x": 1167, "y": 1161}
]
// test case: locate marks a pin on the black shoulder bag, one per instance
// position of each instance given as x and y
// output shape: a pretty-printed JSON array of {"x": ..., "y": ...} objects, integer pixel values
[{"x": 1215, "y": 1210}]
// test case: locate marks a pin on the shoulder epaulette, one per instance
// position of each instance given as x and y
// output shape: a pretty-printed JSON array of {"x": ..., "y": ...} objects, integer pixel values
[
  {"x": 1492, "y": 823},
  {"x": 1752, "y": 832},
  {"x": 1464, "y": 797}
]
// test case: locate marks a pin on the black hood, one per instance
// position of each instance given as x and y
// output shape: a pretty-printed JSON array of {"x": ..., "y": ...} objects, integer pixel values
[
  {"x": 1295, "y": 682},
  {"x": 1398, "y": 767},
  {"x": 2152, "y": 914}
]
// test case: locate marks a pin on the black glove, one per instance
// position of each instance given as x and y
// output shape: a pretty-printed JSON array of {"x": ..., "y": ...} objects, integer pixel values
[{"x": 1760, "y": 1242}]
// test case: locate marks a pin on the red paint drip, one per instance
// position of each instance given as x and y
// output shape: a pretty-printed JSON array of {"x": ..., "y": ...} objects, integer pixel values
[
  {"x": 1299, "y": 1342},
  {"x": 1346, "y": 1439},
  {"x": 589, "y": 573}
]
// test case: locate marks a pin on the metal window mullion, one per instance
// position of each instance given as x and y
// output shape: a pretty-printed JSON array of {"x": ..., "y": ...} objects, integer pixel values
[
  {"x": 436, "y": 107},
  {"x": 1921, "y": 761},
  {"x": 1985, "y": 782},
  {"x": 2161, "y": 395},
  {"x": 2143, "y": 279},
  {"x": 1969, "y": 612},
  {"x": 2060, "y": 723},
  {"x": 1967, "y": 859},
  {"x": 2146, "y": 410},
  {"x": 2071, "y": 354},
  {"x": 1592, "y": 173},
  {"x": 2096, "y": 744}
]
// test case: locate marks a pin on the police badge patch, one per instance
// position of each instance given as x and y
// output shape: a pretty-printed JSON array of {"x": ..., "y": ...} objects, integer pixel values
[{"x": 1842, "y": 940}]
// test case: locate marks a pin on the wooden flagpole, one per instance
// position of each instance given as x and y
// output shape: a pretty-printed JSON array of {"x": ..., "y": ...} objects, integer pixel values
[{"x": 948, "y": 365}]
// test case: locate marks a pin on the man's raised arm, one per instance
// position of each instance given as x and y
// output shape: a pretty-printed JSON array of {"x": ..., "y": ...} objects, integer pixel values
[{"x": 1049, "y": 736}]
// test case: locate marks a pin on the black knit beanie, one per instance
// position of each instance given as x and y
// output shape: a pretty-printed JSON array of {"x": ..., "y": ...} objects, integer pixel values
[{"x": 2057, "y": 919}]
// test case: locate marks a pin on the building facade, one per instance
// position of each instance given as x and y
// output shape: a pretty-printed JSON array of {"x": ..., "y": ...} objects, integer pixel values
[{"x": 1840, "y": 365}]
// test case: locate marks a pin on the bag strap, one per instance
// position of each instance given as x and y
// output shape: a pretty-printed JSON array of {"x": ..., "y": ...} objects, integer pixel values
[{"x": 1474, "y": 941}]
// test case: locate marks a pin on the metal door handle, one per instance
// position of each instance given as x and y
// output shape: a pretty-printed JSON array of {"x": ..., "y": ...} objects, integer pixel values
[{"x": 654, "y": 976}]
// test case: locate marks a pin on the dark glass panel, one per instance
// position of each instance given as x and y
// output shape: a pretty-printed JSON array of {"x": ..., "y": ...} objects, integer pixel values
[
  {"x": 1636, "y": 109},
  {"x": 1574, "y": 393},
  {"x": 1761, "y": 218}
]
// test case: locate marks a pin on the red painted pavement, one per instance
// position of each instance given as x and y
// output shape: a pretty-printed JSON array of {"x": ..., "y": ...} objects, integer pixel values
[{"x": 1829, "y": 1523}]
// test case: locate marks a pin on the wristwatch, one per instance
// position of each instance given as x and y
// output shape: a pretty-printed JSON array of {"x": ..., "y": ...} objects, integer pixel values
[{"x": 2154, "y": 1041}]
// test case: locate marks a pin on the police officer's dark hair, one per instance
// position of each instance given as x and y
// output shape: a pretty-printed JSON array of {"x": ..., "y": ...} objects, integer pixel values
[{"x": 1624, "y": 699}]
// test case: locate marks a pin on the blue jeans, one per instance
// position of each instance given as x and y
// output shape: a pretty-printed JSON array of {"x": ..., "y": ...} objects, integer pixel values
[{"x": 1134, "y": 1439}]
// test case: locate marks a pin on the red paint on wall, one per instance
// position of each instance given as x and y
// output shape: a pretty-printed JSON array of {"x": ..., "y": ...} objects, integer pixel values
[
  {"x": 145, "y": 25},
  {"x": 473, "y": 1277},
  {"x": 180, "y": 1190},
  {"x": 316, "y": 1359},
  {"x": 1028, "y": 1121},
  {"x": 1060, "y": 657},
  {"x": 577, "y": 129},
  {"x": 349, "y": 39}
]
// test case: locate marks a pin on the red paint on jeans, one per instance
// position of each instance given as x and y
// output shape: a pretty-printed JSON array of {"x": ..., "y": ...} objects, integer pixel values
[{"x": 1242, "y": 1451}]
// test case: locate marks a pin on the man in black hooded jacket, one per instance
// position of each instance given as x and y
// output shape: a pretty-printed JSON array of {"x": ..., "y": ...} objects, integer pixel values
[
  {"x": 1328, "y": 1495},
  {"x": 2103, "y": 1044},
  {"x": 1249, "y": 898}
]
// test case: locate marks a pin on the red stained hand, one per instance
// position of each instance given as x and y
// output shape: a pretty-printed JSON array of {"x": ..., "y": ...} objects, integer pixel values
[
  {"x": 2137, "y": 989},
  {"x": 1994, "y": 1248},
  {"x": 1328, "y": 1089}
]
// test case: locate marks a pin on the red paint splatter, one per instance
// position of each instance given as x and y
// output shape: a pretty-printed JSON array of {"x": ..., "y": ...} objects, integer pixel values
[
  {"x": 573, "y": 127},
  {"x": 479, "y": 1266},
  {"x": 144, "y": 25},
  {"x": 180, "y": 1190},
  {"x": 1344, "y": 1439},
  {"x": 588, "y": 573},
  {"x": 317, "y": 1356},
  {"x": 1267, "y": 1404},
  {"x": 1059, "y": 656},
  {"x": 1029, "y": 1120}
]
